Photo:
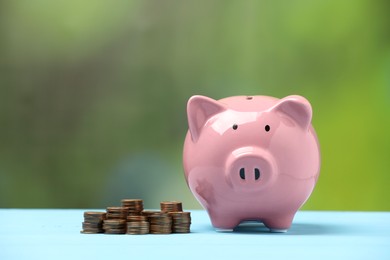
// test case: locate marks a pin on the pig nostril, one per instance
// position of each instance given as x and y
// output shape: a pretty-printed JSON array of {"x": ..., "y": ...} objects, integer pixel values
[
  {"x": 257, "y": 174},
  {"x": 242, "y": 173}
]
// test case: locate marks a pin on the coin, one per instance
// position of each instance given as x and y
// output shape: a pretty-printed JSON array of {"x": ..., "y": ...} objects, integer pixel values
[
  {"x": 181, "y": 222},
  {"x": 134, "y": 205},
  {"x": 115, "y": 231},
  {"x": 131, "y": 218},
  {"x": 91, "y": 231},
  {"x": 117, "y": 209},
  {"x": 93, "y": 222},
  {"x": 91, "y": 225},
  {"x": 116, "y": 215},
  {"x": 137, "y": 227},
  {"x": 114, "y": 222},
  {"x": 94, "y": 215},
  {"x": 117, "y": 212},
  {"x": 170, "y": 206},
  {"x": 150, "y": 212},
  {"x": 160, "y": 223},
  {"x": 114, "y": 226}
]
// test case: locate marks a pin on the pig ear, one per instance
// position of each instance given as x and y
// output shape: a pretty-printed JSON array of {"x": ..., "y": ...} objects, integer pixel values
[
  {"x": 199, "y": 110},
  {"x": 297, "y": 108}
]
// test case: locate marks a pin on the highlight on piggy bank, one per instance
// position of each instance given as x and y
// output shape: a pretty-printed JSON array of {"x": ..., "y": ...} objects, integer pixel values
[{"x": 251, "y": 158}]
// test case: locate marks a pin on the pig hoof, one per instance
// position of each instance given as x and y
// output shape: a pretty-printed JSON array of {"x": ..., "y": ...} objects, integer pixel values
[
  {"x": 277, "y": 230},
  {"x": 224, "y": 229}
]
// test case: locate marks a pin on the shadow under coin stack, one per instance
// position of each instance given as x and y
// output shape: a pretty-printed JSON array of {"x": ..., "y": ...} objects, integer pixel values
[{"x": 93, "y": 222}]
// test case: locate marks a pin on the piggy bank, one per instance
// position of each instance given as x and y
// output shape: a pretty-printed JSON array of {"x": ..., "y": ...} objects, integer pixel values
[{"x": 251, "y": 158}]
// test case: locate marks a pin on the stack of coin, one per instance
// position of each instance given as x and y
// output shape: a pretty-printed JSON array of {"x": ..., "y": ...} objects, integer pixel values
[
  {"x": 137, "y": 227},
  {"x": 160, "y": 223},
  {"x": 181, "y": 222},
  {"x": 114, "y": 226},
  {"x": 93, "y": 222},
  {"x": 135, "y": 206},
  {"x": 171, "y": 206},
  {"x": 148, "y": 213},
  {"x": 133, "y": 218},
  {"x": 117, "y": 212}
]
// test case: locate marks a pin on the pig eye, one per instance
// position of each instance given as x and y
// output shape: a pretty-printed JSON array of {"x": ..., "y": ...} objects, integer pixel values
[
  {"x": 267, "y": 128},
  {"x": 235, "y": 126}
]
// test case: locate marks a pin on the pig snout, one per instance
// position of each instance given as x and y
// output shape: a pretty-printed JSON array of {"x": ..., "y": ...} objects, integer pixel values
[{"x": 250, "y": 169}]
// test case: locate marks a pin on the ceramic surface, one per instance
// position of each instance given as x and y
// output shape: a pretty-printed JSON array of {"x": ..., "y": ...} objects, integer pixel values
[{"x": 251, "y": 158}]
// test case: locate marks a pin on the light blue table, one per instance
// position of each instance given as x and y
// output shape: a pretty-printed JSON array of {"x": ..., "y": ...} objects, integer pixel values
[{"x": 55, "y": 234}]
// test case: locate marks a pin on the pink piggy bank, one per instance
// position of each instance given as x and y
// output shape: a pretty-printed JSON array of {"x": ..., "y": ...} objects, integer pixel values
[{"x": 251, "y": 158}]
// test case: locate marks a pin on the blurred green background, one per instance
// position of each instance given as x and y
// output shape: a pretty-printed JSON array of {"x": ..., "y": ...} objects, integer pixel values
[{"x": 93, "y": 93}]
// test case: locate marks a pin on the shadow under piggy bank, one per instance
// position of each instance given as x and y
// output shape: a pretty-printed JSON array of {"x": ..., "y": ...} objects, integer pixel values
[{"x": 253, "y": 227}]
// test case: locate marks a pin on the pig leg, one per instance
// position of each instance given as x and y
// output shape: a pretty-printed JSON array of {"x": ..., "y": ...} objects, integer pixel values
[
  {"x": 222, "y": 230},
  {"x": 222, "y": 222},
  {"x": 279, "y": 224}
]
